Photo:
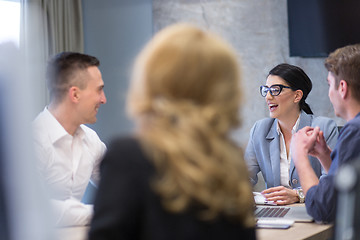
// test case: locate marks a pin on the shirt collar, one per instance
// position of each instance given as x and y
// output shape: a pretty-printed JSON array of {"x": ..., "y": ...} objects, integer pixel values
[{"x": 57, "y": 130}]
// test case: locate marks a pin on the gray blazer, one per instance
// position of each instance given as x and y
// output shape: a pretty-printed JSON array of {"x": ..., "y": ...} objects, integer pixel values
[{"x": 263, "y": 149}]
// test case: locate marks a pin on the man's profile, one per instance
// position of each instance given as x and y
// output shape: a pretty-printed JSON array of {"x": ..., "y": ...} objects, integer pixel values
[{"x": 68, "y": 152}]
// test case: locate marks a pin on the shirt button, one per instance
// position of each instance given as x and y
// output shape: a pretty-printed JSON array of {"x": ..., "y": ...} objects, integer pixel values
[{"x": 295, "y": 181}]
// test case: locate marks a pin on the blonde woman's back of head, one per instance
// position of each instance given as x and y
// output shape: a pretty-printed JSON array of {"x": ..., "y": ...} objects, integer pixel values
[{"x": 185, "y": 98}]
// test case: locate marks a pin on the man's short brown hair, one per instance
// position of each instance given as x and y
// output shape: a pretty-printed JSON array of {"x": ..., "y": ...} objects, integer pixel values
[
  {"x": 344, "y": 64},
  {"x": 61, "y": 70}
]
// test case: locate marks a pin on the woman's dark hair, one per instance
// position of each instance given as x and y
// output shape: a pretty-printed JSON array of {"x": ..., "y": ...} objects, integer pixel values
[{"x": 297, "y": 79}]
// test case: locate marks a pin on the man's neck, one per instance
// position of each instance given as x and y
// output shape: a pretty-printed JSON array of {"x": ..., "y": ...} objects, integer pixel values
[
  {"x": 352, "y": 108},
  {"x": 64, "y": 117}
]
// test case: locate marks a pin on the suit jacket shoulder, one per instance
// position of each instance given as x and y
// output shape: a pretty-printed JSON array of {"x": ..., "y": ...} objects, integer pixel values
[{"x": 263, "y": 127}]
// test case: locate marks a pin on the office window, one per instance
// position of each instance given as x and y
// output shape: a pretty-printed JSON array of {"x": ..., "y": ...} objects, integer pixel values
[{"x": 10, "y": 21}]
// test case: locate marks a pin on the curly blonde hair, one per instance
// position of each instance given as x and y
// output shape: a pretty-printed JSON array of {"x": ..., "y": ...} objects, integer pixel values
[{"x": 185, "y": 97}]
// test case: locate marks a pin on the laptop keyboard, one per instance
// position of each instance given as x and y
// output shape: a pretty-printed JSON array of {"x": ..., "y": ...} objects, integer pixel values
[{"x": 272, "y": 212}]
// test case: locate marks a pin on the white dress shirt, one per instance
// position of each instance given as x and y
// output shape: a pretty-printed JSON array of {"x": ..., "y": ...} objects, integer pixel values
[
  {"x": 285, "y": 159},
  {"x": 67, "y": 164}
]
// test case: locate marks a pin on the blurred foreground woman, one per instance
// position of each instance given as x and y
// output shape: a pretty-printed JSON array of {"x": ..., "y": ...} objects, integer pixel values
[{"x": 180, "y": 176}]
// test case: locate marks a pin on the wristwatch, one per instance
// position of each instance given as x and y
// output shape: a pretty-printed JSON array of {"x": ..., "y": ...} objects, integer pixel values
[{"x": 301, "y": 195}]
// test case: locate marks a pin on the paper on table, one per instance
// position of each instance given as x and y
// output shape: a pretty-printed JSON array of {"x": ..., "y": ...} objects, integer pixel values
[{"x": 260, "y": 199}]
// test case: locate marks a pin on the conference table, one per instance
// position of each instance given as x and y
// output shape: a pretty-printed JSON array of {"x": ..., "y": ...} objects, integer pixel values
[
  {"x": 310, "y": 231},
  {"x": 298, "y": 231}
]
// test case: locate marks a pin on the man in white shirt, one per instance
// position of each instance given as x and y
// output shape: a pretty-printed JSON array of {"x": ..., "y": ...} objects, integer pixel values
[{"x": 69, "y": 153}]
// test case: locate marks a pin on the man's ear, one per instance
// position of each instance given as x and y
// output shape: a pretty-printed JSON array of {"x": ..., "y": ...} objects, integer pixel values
[
  {"x": 343, "y": 89},
  {"x": 298, "y": 95},
  {"x": 74, "y": 94}
]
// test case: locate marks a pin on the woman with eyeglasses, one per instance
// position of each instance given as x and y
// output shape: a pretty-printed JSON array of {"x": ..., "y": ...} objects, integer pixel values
[{"x": 268, "y": 149}]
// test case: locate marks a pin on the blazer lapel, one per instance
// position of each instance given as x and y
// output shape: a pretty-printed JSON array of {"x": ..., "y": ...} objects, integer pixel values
[{"x": 274, "y": 147}]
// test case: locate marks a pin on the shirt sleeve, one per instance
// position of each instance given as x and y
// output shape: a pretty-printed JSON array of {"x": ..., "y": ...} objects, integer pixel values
[
  {"x": 321, "y": 199},
  {"x": 71, "y": 212},
  {"x": 95, "y": 175}
]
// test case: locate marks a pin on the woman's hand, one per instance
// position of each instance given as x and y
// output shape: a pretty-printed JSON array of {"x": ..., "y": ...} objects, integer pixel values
[{"x": 281, "y": 195}]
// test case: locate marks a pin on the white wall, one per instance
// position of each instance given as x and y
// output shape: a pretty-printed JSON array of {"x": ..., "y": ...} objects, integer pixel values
[{"x": 115, "y": 31}]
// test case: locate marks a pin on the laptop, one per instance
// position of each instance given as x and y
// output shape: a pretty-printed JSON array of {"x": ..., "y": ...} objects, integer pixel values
[
  {"x": 296, "y": 213},
  {"x": 269, "y": 210}
]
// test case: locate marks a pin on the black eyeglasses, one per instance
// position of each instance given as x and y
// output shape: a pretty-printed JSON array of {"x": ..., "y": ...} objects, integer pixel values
[{"x": 275, "y": 90}]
